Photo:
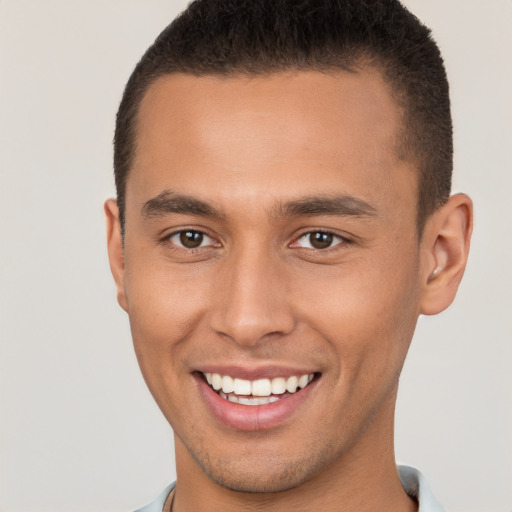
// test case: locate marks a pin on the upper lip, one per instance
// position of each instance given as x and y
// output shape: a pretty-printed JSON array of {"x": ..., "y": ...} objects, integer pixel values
[{"x": 255, "y": 372}]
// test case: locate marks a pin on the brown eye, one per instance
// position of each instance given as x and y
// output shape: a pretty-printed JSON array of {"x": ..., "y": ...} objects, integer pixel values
[
  {"x": 190, "y": 239},
  {"x": 319, "y": 240}
]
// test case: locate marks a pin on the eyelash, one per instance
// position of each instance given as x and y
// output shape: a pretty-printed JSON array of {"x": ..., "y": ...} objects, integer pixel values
[
  {"x": 177, "y": 246},
  {"x": 342, "y": 241}
]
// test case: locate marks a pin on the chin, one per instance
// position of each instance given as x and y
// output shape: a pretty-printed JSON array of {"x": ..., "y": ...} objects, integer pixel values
[
  {"x": 253, "y": 474},
  {"x": 269, "y": 481}
]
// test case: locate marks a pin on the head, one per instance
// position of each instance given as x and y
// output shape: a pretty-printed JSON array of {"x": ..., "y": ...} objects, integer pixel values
[{"x": 283, "y": 172}]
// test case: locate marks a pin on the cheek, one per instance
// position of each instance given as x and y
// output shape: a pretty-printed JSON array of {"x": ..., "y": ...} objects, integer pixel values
[
  {"x": 368, "y": 317},
  {"x": 162, "y": 299},
  {"x": 164, "y": 310}
]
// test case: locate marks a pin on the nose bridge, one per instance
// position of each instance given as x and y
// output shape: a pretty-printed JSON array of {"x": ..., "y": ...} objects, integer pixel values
[{"x": 250, "y": 300}]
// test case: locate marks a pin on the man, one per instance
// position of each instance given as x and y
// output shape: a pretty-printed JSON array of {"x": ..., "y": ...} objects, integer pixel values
[{"x": 283, "y": 217}]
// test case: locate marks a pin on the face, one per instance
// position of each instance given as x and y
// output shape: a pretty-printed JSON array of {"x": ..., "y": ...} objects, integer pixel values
[{"x": 271, "y": 238}]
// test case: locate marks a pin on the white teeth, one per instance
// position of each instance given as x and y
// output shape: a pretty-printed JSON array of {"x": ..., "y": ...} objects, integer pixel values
[
  {"x": 291, "y": 384},
  {"x": 303, "y": 381},
  {"x": 242, "y": 387},
  {"x": 251, "y": 400},
  {"x": 247, "y": 401},
  {"x": 216, "y": 381},
  {"x": 278, "y": 386},
  {"x": 261, "y": 388},
  {"x": 228, "y": 385}
]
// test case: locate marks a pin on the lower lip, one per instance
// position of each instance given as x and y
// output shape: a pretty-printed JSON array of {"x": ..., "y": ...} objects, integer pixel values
[{"x": 252, "y": 417}]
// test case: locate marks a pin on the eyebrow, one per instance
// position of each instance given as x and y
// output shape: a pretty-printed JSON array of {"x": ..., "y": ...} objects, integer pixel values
[
  {"x": 338, "y": 205},
  {"x": 170, "y": 202}
]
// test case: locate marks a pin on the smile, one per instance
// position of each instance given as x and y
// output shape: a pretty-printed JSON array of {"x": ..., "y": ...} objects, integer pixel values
[{"x": 256, "y": 392}]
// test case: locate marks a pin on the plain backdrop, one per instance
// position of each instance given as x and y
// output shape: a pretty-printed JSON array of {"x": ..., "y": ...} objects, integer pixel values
[{"x": 78, "y": 429}]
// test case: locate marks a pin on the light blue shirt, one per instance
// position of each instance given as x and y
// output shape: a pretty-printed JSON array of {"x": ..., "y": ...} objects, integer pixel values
[
  {"x": 413, "y": 482},
  {"x": 158, "y": 504},
  {"x": 416, "y": 486}
]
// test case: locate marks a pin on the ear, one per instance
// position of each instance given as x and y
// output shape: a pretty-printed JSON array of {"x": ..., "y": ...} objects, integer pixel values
[
  {"x": 115, "y": 249},
  {"x": 445, "y": 246}
]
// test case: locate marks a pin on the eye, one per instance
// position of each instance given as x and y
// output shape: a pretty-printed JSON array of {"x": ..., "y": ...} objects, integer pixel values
[
  {"x": 319, "y": 240},
  {"x": 190, "y": 239}
]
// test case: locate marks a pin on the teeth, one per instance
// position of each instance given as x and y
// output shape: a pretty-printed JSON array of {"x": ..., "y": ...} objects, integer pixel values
[
  {"x": 303, "y": 381},
  {"x": 216, "y": 381},
  {"x": 261, "y": 387},
  {"x": 278, "y": 386},
  {"x": 253, "y": 392},
  {"x": 228, "y": 384},
  {"x": 241, "y": 386},
  {"x": 291, "y": 384},
  {"x": 249, "y": 400}
]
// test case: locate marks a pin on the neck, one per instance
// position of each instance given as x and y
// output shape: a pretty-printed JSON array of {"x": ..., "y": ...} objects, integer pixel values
[{"x": 363, "y": 478}]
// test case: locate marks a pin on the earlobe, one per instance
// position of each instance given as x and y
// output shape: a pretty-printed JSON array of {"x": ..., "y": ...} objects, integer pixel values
[
  {"x": 445, "y": 245},
  {"x": 115, "y": 249}
]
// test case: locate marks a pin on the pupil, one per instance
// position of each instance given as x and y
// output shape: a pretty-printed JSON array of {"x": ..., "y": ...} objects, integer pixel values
[
  {"x": 321, "y": 240},
  {"x": 191, "y": 239}
]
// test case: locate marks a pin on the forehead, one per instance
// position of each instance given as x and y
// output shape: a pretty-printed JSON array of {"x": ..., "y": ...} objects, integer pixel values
[{"x": 302, "y": 130}]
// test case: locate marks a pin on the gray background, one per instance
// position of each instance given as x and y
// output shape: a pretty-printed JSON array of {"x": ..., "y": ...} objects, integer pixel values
[{"x": 78, "y": 429}]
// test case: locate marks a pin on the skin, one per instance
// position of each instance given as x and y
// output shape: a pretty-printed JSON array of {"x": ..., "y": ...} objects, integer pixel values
[{"x": 257, "y": 294}]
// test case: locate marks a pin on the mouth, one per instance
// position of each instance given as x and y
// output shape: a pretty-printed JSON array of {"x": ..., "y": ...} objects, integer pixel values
[
  {"x": 256, "y": 392},
  {"x": 251, "y": 399}
]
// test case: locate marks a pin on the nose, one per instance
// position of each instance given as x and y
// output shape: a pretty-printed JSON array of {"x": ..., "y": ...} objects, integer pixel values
[{"x": 250, "y": 299}]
